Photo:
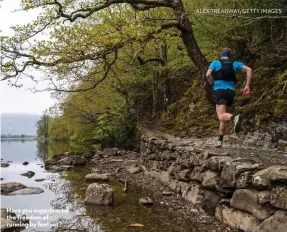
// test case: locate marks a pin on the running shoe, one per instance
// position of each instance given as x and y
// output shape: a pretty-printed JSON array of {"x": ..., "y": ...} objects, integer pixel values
[
  {"x": 237, "y": 122},
  {"x": 218, "y": 144}
]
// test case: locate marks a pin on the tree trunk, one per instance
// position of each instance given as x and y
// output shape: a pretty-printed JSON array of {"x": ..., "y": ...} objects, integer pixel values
[
  {"x": 192, "y": 47},
  {"x": 187, "y": 36},
  {"x": 155, "y": 89},
  {"x": 167, "y": 92}
]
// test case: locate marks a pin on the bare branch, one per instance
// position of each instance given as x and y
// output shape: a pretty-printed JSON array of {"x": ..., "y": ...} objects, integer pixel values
[
  {"x": 142, "y": 62},
  {"x": 140, "y": 5}
]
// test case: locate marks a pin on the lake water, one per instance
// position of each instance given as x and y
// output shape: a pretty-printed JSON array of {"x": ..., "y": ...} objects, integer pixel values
[{"x": 64, "y": 193}]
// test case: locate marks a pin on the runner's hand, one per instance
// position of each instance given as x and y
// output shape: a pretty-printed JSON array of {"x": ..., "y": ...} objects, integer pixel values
[{"x": 246, "y": 91}]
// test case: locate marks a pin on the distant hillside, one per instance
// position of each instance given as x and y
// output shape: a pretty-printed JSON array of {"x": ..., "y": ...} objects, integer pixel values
[{"x": 17, "y": 124}]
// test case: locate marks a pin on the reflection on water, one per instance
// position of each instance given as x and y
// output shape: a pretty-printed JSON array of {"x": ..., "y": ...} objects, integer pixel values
[{"x": 66, "y": 192}]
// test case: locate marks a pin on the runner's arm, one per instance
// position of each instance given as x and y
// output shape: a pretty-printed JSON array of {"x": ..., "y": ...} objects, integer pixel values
[
  {"x": 209, "y": 76},
  {"x": 248, "y": 71}
]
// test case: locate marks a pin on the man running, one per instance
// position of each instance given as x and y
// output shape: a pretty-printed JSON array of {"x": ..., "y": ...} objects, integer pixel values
[{"x": 223, "y": 81}]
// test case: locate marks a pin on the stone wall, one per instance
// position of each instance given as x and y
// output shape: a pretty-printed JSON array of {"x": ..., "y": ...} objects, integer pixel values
[{"x": 237, "y": 191}]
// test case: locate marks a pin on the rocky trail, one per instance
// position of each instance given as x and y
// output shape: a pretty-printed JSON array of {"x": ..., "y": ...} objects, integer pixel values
[{"x": 239, "y": 187}]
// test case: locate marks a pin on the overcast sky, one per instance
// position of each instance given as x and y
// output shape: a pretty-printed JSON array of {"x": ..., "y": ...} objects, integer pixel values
[{"x": 21, "y": 100}]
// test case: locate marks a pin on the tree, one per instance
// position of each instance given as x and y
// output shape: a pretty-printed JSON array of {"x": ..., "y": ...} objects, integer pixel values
[
  {"x": 43, "y": 126},
  {"x": 90, "y": 42}
]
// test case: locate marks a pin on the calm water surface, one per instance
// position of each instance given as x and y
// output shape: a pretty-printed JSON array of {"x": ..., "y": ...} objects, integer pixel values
[{"x": 65, "y": 192}]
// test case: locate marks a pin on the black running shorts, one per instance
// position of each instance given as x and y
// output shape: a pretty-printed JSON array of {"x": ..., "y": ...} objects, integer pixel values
[{"x": 224, "y": 97}]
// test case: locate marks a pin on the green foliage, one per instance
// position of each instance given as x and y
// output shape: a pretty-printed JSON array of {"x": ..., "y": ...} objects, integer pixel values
[
  {"x": 43, "y": 126},
  {"x": 103, "y": 90}
]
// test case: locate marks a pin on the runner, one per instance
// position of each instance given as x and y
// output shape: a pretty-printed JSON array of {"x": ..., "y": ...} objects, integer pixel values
[{"x": 223, "y": 82}]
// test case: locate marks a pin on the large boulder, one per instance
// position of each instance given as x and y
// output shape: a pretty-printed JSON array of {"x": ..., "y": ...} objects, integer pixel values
[
  {"x": 247, "y": 200},
  {"x": 11, "y": 187},
  {"x": 278, "y": 197},
  {"x": 99, "y": 194},
  {"x": 276, "y": 223},
  {"x": 96, "y": 177},
  {"x": 232, "y": 170},
  {"x": 4, "y": 164},
  {"x": 210, "y": 179},
  {"x": 27, "y": 191},
  {"x": 236, "y": 218},
  {"x": 264, "y": 178}
]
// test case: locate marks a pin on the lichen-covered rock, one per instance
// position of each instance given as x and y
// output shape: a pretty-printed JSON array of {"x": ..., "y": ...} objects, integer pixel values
[
  {"x": 247, "y": 200},
  {"x": 99, "y": 194},
  {"x": 278, "y": 197},
  {"x": 264, "y": 178},
  {"x": 236, "y": 218},
  {"x": 232, "y": 170},
  {"x": 96, "y": 177},
  {"x": 264, "y": 196},
  {"x": 244, "y": 180},
  {"x": 11, "y": 187},
  {"x": 210, "y": 179},
  {"x": 275, "y": 223}
]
